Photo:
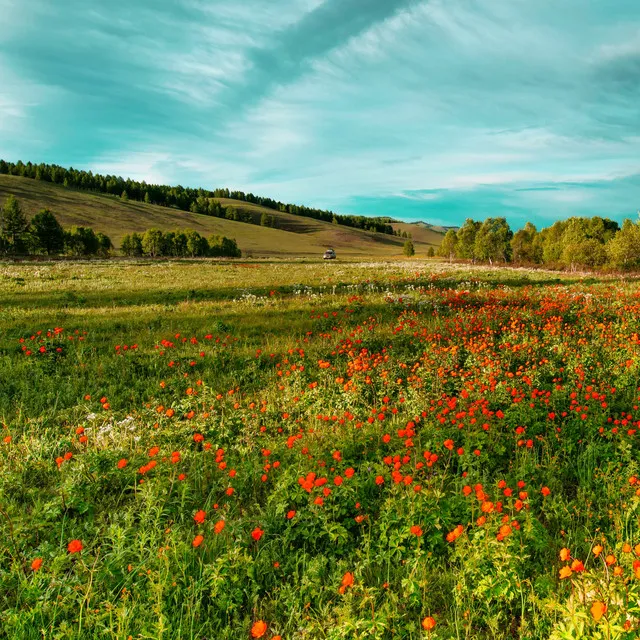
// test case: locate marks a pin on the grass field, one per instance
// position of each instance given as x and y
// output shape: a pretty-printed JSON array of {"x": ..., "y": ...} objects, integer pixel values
[
  {"x": 312, "y": 451},
  {"x": 295, "y": 236}
]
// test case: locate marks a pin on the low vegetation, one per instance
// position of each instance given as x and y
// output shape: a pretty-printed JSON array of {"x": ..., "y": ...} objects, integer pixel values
[{"x": 301, "y": 451}]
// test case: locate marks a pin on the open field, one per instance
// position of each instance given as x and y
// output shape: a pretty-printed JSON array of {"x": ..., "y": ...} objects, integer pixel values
[
  {"x": 372, "y": 450},
  {"x": 296, "y": 236}
]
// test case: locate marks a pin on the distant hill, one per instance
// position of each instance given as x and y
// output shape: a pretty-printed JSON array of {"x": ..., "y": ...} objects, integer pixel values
[
  {"x": 293, "y": 236},
  {"x": 434, "y": 227}
]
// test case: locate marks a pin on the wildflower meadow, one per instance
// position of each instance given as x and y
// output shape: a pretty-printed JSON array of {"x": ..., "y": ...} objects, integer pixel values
[{"x": 290, "y": 450}]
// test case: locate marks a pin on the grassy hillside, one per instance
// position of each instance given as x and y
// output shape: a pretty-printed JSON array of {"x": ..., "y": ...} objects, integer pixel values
[{"x": 295, "y": 235}]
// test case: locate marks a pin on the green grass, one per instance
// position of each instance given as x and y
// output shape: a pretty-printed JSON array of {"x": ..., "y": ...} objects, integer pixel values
[
  {"x": 295, "y": 236},
  {"x": 252, "y": 375}
]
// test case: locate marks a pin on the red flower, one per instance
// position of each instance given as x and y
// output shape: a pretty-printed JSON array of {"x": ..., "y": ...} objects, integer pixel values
[
  {"x": 416, "y": 530},
  {"x": 200, "y": 516},
  {"x": 36, "y": 564},
  {"x": 256, "y": 534},
  {"x": 258, "y": 629},
  {"x": 75, "y": 546},
  {"x": 122, "y": 463}
]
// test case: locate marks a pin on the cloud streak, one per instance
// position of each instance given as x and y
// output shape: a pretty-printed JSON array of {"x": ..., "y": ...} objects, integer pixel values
[{"x": 443, "y": 108}]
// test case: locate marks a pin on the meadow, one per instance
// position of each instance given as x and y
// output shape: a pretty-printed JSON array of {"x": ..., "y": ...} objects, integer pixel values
[{"x": 304, "y": 450}]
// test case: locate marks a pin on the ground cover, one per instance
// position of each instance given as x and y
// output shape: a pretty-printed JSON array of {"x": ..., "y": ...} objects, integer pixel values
[{"x": 200, "y": 449}]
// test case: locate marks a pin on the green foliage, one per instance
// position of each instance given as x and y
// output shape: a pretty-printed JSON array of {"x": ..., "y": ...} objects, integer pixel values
[
  {"x": 152, "y": 243},
  {"x": 408, "y": 249},
  {"x": 449, "y": 246},
  {"x": 220, "y": 246},
  {"x": 492, "y": 241},
  {"x": 623, "y": 248},
  {"x": 267, "y": 220},
  {"x": 132, "y": 245},
  {"x": 466, "y": 236},
  {"x": 13, "y": 226},
  {"x": 47, "y": 233},
  {"x": 83, "y": 241},
  {"x": 524, "y": 245},
  {"x": 180, "y": 244}
]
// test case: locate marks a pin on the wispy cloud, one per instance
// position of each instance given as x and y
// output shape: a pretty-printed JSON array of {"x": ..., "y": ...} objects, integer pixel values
[{"x": 338, "y": 102}]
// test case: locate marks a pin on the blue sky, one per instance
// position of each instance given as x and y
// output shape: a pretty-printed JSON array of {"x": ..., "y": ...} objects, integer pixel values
[{"x": 435, "y": 110}]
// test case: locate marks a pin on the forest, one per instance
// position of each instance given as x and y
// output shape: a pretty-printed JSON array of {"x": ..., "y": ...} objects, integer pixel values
[{"x": 574, "y": 243}]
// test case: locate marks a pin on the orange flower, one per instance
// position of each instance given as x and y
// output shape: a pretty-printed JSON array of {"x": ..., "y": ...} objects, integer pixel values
[
  {"x": 610, "y": 559},
  {"x": 36, "y": 564},
  {"x": 75, "y": 546},
  {"x": 200, "y": 516},
  {"x": 428, "y": 623},
  {"x": 219, "y": 526},
  {"x": 597, "y": 550},
  {"x": 122, "y": 463},
  {"x": 565, "y": 572},
  {"x": 452, "y": 536},
  {"x": 598, "y": 609},
  {"x": 347, "y": 581},
  {"x": 505, "y": 530},
  {"x": 486, "y": 506},
  {"x": 545, "y": 491},
  {"x": 258, "y": 629},
  {"x": 565, "y": 554},
  {"x": 416, "y": 530},
  {"x": 291, "y": 514},
  {"x": 197, "y": 541}
]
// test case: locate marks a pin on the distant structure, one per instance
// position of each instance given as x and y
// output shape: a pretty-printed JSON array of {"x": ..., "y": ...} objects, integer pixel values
[{"x": 329, "y": 254}]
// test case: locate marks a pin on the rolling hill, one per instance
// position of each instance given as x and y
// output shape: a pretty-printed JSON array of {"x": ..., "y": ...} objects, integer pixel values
[{"x": 294, "y": 235}]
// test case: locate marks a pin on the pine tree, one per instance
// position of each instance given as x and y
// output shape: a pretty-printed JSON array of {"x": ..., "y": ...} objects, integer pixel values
[
  {"x": 13, "y": 225},
  {"x": 47, "y": 233}
]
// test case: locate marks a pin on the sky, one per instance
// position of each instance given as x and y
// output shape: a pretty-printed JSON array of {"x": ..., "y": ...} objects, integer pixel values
[{"x": 433, "y": 110}]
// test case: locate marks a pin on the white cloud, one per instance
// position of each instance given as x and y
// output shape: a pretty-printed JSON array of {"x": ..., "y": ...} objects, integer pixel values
[{"x": 150, "y": 166}]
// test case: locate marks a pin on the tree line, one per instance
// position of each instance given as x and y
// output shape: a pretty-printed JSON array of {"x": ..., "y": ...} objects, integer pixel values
[
  {"x": 179, "y": 244},
  {"x": 573, "y": 243},
  {"x": 43, "y": 234},
  {"x": 187, "y": 199}
]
